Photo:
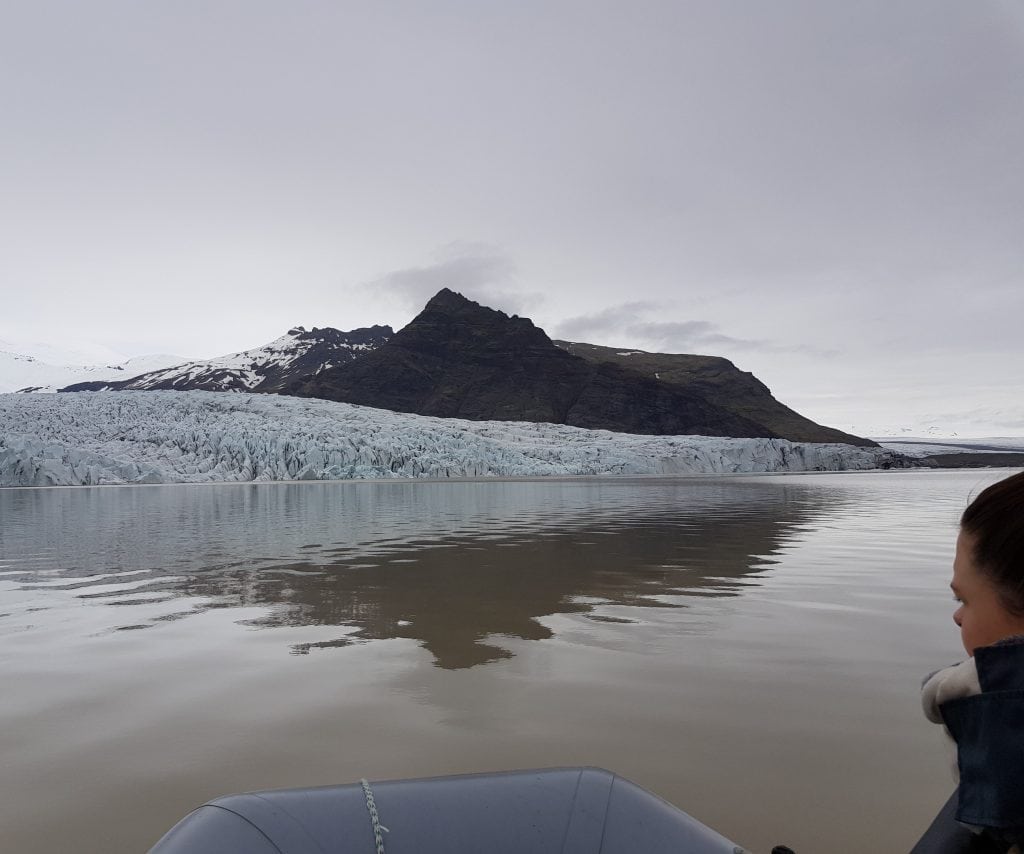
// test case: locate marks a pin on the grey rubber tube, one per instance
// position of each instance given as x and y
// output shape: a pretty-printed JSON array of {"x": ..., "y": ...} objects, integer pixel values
[
  {"x": 552, "y": 811},
  {"x": 946, "y": 836}
]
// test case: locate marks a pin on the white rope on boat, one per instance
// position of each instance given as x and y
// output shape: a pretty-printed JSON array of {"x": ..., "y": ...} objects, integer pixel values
[{"x": 378, "y": 829}]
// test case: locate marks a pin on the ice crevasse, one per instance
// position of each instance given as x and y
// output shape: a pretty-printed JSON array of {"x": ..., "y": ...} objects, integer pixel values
[{"x": 90, "y": 438}]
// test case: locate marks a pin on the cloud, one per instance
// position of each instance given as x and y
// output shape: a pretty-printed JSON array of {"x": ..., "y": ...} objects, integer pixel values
[
  {"x": 476, "y": 270},
  {"x": 608, "y": 321},
  {"x": 630, "y": 323}
]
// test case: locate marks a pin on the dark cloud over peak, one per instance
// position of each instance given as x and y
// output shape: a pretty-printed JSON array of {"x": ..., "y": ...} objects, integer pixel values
[
  {"x": 630, "y": 324},
  {"x": 476, "y": 270}
]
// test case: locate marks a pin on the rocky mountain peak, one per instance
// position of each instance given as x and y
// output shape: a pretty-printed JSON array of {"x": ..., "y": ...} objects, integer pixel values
[
  {"x": 459, "y": 359},
  {"x": 458, "y": 328},
  {"x": 297, "y": 355},
  {"x": 446, "y": 297}
]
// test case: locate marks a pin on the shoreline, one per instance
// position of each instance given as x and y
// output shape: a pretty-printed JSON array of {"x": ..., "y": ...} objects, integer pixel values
[{"x": 617, "y": 478}]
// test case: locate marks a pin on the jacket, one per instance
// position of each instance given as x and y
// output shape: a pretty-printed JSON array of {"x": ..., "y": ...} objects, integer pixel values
[{"x": 981, "y": 703}]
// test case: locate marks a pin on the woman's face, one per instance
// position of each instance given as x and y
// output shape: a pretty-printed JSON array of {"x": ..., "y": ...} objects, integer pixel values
[{"x": 981, "y": 616}]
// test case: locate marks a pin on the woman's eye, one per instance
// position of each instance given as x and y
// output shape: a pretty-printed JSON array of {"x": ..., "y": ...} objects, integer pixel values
[{"x": 958, "y": 600}]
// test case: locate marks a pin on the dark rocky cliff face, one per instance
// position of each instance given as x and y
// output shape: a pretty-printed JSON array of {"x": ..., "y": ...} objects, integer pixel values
[
  {"x": 327, "y": 348},
  {"x": 718, "y": 381},
  {"x": 458, "y": 359}
]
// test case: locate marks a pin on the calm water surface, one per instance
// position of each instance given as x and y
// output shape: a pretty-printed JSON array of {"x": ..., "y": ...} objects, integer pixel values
[{"x": 748, "y": 648}]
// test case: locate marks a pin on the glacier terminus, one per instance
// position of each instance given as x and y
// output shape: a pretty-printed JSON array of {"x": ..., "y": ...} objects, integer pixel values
[{"x": 129, "y": 437}]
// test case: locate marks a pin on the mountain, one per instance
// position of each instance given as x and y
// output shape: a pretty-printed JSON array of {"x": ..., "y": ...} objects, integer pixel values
[
  {"x": 22, "y": 372},
  {"x": 458, "y": 359},
  {"x": 299, "y": 354},
  {"x": 718, "y": 381}
]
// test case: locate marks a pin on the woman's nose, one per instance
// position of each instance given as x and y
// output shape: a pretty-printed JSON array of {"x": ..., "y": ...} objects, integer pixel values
[{"x": 957, "y": 615}]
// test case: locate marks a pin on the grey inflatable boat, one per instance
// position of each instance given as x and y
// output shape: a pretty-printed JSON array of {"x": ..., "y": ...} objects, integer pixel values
[{"x": 552, "y": 811}]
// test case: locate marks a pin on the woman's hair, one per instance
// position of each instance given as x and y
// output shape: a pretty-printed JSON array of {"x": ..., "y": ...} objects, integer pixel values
[{"x": 995, "y": 523}]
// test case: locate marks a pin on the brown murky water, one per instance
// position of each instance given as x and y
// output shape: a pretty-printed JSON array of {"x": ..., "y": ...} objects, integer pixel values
[{"x": 748, "y": 648}]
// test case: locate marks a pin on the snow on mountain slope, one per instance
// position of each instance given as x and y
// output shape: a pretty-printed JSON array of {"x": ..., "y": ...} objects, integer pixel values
[
  {"x": 19, "y": 371},
  {"x": 297, "y": 354},
  {"x": 173, "y": 437}
]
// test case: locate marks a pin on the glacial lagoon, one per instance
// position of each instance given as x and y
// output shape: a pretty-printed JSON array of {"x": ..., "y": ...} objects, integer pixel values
[{"x": 748, "y": 647}]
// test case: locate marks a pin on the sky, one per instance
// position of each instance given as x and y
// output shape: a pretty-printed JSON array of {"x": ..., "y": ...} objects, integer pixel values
[{"x": 830, "y": 194}]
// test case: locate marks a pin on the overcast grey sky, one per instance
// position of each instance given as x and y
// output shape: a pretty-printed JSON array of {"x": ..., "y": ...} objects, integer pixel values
[{"x": 831, "y": 194}]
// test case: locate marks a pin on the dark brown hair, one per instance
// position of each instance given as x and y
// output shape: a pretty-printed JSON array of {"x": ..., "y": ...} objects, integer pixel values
[{"x": 995, "y": 522}]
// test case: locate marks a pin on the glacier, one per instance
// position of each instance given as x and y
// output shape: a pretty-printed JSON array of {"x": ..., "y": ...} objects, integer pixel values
[
  {"x": 23, "y": 372},
  {"x": 141, "y": 437}
]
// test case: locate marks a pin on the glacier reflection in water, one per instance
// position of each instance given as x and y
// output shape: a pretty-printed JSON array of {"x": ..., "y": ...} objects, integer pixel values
[{"x": 451, "y": 565}]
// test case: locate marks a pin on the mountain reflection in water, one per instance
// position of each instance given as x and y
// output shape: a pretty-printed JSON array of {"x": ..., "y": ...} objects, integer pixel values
[{"x": 452, "y": 565}]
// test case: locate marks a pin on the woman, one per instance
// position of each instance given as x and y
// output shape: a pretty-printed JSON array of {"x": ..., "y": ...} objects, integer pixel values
[{"x": 981, "y": 700}]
